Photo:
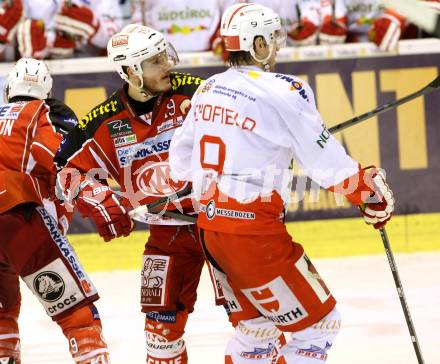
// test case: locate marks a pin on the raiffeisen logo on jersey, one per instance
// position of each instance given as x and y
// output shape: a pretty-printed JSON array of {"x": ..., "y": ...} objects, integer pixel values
[{"x": 295, "y": 85}]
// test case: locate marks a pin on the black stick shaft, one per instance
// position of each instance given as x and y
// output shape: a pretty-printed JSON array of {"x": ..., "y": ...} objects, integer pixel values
[
  {"x": 400, "y": 292},
  {"x": 434, "y": 85}
]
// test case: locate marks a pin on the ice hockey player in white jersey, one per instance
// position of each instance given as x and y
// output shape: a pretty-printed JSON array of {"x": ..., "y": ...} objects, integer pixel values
[{"x": 236, "y": 144}]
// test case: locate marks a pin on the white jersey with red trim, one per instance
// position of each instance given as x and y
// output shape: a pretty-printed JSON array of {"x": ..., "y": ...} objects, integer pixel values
[
  {"x": 189, "y": 25},
  {"x": 247, "y": 126}
]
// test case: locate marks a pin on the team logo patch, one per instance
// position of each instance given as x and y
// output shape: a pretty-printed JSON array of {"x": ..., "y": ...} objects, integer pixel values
[
  {"x": 119, "y": 128},
  {"x": 49, "y": 285},
  {"x": 124, "y": 140},
  {"x": 315, "y": 352},
  {"x": 170, "y": 124},
  {"x": 210, "y": 210},
  {"x": 30, "y": 78},
  {"x": 155, "y": 180},
  {"x": 295, "y": 85},
  {"x": 139, "y": 151},
  {"x": 164, "y": 316},
  {"x": 120, "y": 40},
  {"x": 154, "y": 279},
  {"x": 276, "y": 301},
  {"x": 259, "y": 353},
  {"x": 55, "y": 287}
]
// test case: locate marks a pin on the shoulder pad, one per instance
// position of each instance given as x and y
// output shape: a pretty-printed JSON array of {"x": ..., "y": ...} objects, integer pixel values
[
  {"x": 94, "y": 118},
  {"x": 185, "y": 83},
  {"x": 63, "y": 118}
]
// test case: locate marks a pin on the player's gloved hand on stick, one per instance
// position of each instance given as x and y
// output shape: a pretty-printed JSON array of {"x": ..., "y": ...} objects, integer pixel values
[
  {"x": 333, "y": 31},
  {"x": 31, "y": 38},
  {"x": 77, "y": 21},
  {"x": 98, "y": 202},
  {"x": 379, "y": 207},
  {"x": 10, "y": 14},
  {"x": 386, "y": 31}
]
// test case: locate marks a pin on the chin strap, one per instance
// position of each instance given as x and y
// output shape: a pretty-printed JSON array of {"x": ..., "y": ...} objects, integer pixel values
[
  {"x": 142, "y": 90},
  {"x": 263, "y": 61}
]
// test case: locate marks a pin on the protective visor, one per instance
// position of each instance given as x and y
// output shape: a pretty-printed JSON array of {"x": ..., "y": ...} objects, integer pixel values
[{"x": 161, "y": 62}]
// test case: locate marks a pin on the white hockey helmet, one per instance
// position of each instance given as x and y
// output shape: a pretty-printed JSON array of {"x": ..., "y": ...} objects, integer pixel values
[
  {"x": 133, "y": 45},
  {"x": 29, "y": 77},
  {"x": 241, "y": 23}
]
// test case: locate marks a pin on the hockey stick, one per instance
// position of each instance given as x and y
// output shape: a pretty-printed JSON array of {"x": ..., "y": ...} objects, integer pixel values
[
  {"x": 142, "y": 6},
  {"x": 138, "y": 211},
  {"x": 334, "y": 11},
  {"x": 151, "y": 208},
  {"x": 165, "y": 200},
  {"x": 403, "y": 303},
  {"x": 421, "y": 15},
  {"x": 434, "y": 85}
]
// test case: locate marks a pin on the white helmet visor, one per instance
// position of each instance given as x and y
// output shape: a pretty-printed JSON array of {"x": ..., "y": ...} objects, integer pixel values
[{"x": 161, "y": 62}]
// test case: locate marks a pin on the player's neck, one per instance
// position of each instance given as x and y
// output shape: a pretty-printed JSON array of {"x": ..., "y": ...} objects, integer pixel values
[{"x": 139, "y": 94}]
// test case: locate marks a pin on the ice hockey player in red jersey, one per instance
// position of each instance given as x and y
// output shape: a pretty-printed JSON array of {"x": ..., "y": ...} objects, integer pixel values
[
  {"x": 33, "y": 244},
  {"x": 127, "y": 138},
  {"x": 244, "y": 128}
]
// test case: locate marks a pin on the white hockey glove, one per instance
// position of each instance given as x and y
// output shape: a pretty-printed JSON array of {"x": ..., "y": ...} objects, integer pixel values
[
  {"x": 378, "y": 208},
  {"x": 78, "y": 22},
  {"x": 31, "y": 37}
]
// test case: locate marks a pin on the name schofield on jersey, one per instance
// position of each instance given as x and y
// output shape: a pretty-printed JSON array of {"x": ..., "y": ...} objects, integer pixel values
[{"x": 224, "y": 116}]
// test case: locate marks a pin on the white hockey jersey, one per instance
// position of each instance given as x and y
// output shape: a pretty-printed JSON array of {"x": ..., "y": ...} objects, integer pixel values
[{"x": 246, "y": 126}]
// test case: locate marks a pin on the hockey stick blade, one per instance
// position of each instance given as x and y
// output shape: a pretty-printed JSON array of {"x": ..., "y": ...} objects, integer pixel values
[{"x": 434, "y": 85}]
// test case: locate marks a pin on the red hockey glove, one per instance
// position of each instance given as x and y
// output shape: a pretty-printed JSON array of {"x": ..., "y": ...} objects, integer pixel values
[
  {"x": 77, "y": 21},
  {"x": 333, "y": 32},
  {"x": 304, "y": 33},
  {"x": 99, "y": 203},
  {"x": 10, "y": 15},
  {"x": 368, "y": 190},
  {"x": 63, "y": 46},
  {"x": 379, "y": 207},
  {"x": 31, "y": 37},
  {"x": 386, "y": 31}
]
